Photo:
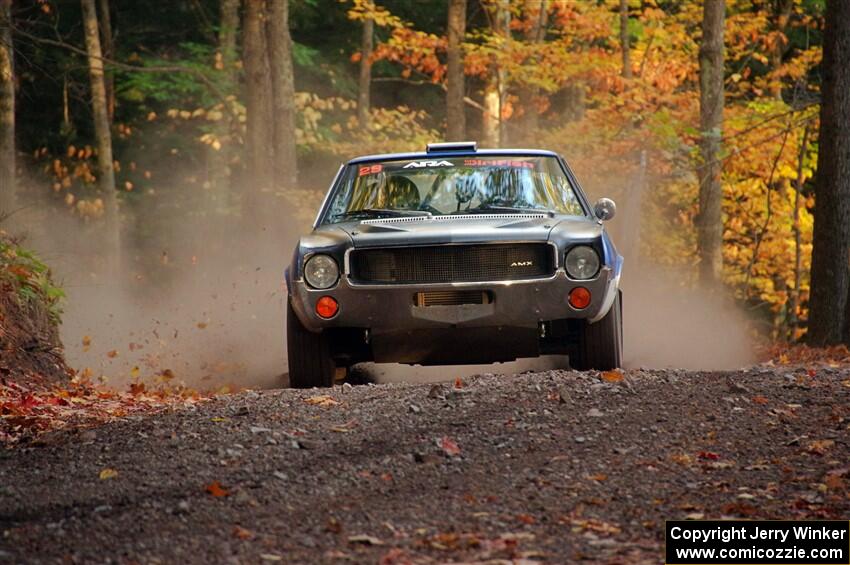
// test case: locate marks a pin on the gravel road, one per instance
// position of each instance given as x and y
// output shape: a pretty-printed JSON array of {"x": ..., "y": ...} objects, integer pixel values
[{"x": 553, "y": 467}]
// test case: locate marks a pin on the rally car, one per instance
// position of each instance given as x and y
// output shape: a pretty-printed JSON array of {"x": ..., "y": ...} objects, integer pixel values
[{"x": 454, "y": 255}]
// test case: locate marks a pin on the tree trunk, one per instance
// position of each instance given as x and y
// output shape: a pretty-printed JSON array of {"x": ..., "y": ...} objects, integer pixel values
[
  {"x": 219, "y": 160},
  {"x": 455, "y": 112},
  {"x": 503, "y": 26},
  {"x": 103, "y": 135},
  {"x": 7, "y": 110},
  {"x": 490, "y": 114},
  {"x": 283, "y": 95},
  {"x": 710, "y": 221},
  {"x": 829, "y": 304},
  {"x": 782, "y": 15},
  {"x": 258, "y": 108},
  {"x": 495, "y": 91},
  {"x": 794, "y": 318},
  {"x": 108, "y": 53},
  {"x": 363, "y": 98},
  {"x": 538, "y": 11},
  {"x": 624, "y": 38},
  {"x": 227, "y": 34}
]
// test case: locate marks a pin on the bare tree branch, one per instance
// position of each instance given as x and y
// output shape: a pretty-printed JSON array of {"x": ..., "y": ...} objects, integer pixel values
[{"x": 211, "y": 86}]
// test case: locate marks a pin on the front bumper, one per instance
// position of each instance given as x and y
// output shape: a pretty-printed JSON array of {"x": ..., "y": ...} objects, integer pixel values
[{"x": 515, "y": 304}]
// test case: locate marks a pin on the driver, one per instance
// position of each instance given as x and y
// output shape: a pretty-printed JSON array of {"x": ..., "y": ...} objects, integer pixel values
[{"x": 401, "y": 194}]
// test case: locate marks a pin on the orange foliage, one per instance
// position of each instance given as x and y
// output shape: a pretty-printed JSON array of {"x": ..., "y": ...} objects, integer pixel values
[{"x": 30, "y": 409}]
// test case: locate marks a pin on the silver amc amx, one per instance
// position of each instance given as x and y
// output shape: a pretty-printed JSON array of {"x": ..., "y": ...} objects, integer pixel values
[{"x": 455, "y": 255}]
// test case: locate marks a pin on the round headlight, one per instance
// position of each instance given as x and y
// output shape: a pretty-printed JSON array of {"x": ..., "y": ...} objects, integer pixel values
[
  {"x": 321, "y": 271},
  {"x": 582, "y": 262}
]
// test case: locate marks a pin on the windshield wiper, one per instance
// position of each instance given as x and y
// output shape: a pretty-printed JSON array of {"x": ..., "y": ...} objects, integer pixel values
[
  {"x": 485, "y": 208},
  {"x": 379, "y": 212}
]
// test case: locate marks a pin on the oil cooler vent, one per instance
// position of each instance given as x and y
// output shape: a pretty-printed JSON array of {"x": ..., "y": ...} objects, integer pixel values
[{"x": 451, "y": 298}]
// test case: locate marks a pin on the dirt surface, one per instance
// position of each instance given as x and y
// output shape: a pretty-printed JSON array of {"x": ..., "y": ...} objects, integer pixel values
[
  {"x": 552, "y": 467},
  {"x": 29, "y": 339}
]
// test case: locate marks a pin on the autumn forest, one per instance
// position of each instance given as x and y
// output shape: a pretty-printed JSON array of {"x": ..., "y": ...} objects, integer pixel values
[{"x": 704, "y": 119}]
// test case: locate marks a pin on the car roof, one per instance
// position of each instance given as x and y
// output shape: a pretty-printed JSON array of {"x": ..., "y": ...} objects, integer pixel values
[{"x": 453, "y": 153}]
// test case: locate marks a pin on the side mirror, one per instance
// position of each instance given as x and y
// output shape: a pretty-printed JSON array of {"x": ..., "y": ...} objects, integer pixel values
[{"x": 604, "y": 209}]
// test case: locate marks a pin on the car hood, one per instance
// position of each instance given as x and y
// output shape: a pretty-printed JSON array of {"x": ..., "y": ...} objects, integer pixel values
[{"x": 467, "y": 229}]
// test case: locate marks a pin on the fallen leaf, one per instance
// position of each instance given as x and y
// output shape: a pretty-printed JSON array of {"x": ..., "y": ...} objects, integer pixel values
[
  {"x": 739, "y": 509},
  {"x": 86, "y": 342},
  {"x": 682, "y": 458},
  {"x": 394, "y": 556},
  {"x": 708, "y": 455},
  {"x": 526, "y": 519},
  {"x": 612, "y": 376},
  {"x": 333, "y": 526},
  {"x": 820, "y": 446},
  {"x": 242, "y": 533},
  {"x": 833, "y": 481},
  {"x": 215, "y": 489},
  {"x": 598, "y": 477},
  {"x": 108, "y": 473},
  {"x": 760, "y": 400},
  {"x": 321, "y": 400},
  {"x": 202, "y": 325},
  {"x": 448, "y": 446},
  {"x": 345, "y": 428},
  {"x": 593, "y": 525},
  {"x": 555, "y": 396},
  {"x": 112, "y": 354}
]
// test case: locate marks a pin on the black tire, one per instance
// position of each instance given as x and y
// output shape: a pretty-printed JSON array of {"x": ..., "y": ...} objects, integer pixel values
[
  {"x": 600, "y": 345},
  {"x": 310, "y": 361}
]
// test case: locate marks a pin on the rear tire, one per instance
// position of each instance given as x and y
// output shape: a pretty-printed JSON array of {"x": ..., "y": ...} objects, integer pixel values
[
  {"x": 600, "y": 345},
  {"x": 310, "y": 361}
]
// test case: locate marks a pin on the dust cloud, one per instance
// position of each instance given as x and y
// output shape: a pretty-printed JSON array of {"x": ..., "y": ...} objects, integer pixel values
[
  {"x": 668, "y": 320},
  {"x": 199, "y": 300},
  {"x": 667, "y": 324}
]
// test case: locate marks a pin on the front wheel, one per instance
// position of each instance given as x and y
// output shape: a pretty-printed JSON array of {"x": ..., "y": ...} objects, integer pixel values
[
  {"x": 600, "y": 345},
  {"x": 310, "y": 361}
]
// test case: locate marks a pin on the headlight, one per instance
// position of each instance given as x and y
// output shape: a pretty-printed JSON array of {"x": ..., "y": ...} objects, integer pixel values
[
  {"x": 582, "y": 262},
  {"x": 321, "y": 271}
]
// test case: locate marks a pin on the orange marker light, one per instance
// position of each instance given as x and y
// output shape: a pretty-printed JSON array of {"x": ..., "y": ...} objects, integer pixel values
[
  {"x": 327, "y": 307},
  {"x": 579, "y": 298}
]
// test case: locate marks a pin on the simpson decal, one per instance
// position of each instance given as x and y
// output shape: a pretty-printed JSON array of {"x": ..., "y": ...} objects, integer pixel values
[{"x": 498, "y": 163}]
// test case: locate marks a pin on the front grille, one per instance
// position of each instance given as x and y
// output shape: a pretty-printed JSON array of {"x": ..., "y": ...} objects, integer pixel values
[
  {"x": 452, "y": 298},
  {"x": 452, "y": 263}
]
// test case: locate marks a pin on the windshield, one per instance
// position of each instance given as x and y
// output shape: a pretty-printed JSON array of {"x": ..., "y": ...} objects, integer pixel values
[{"x": 462, "y": 185}]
